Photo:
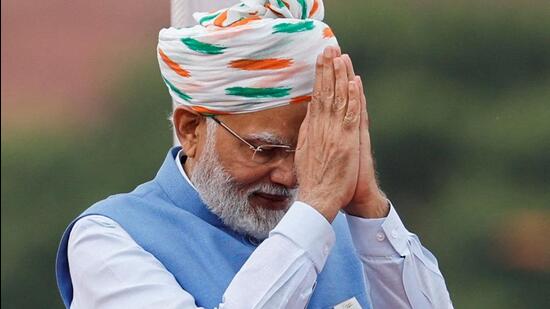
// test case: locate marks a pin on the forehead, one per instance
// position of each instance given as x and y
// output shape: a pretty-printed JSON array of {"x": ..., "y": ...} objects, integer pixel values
[{"x": 282, "y": 122}]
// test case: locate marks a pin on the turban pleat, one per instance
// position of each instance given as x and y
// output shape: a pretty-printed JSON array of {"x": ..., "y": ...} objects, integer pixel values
[{"x": 253, "y": 56}]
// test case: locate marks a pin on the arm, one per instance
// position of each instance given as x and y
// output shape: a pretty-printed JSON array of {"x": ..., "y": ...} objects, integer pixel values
[
  {"x": 110, "y": 270},
  {"x": 400, "y": 271}
]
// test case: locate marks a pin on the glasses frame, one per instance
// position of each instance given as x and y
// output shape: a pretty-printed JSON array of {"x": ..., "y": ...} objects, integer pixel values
[{"x": 255, "y": 149}]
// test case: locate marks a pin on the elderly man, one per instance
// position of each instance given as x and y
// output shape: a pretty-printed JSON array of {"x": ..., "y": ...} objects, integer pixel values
[{"x": 272, "y": 200}]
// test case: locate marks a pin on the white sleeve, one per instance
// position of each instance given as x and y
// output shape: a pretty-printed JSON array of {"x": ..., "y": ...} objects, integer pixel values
[
  {"x": 110, "y": 270},
  {"x": 400, "y": 271}
]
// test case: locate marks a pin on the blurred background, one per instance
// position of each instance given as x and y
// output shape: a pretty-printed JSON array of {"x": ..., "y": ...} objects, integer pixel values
[{"x": 459, "y": 100}]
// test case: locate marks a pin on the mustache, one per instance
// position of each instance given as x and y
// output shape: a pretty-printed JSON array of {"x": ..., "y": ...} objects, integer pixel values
[{"x": 272, "y": 189}]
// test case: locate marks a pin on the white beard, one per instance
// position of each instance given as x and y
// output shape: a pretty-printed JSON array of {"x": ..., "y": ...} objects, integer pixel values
[{"x": 230, "y": 201}]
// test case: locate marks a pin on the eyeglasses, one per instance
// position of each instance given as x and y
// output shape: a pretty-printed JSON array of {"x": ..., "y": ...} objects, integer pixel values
[{"x": 264, "y": 153}]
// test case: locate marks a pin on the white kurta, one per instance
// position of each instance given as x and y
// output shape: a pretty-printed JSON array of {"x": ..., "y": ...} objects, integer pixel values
[{"x": 110, "y": 270}]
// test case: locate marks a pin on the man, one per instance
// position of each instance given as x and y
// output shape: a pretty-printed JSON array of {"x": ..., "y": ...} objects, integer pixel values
[{"x": 249, "y": 213}]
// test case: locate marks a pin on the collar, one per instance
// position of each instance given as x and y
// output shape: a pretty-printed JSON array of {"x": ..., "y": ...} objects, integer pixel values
[
  {"x": 180, "y": 191},
  {"x": 180, "y": 168}
]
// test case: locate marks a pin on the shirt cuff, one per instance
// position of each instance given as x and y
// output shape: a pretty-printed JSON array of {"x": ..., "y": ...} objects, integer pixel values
[
  {"x": 379, "y": 237},
  {"x": 308, "y": 229}
]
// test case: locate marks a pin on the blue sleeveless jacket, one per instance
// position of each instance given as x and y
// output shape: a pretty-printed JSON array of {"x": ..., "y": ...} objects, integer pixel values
[{"x": 166, "y": 217}]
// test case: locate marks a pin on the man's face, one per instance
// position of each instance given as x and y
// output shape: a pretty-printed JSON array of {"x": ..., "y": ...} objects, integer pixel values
[
  {"x": 275, "y": 126},
  {"x": 249, "y": 197}
]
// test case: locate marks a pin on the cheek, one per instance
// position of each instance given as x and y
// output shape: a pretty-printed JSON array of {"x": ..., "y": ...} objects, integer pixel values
[
  {"x": 237, "y": 163},
  {"x": 247, "y": 176},
  {"x": 244, "y": 174}
]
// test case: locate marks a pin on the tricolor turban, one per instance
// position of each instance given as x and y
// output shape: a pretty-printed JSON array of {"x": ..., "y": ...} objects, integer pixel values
[{"x": 255, "y": 55}]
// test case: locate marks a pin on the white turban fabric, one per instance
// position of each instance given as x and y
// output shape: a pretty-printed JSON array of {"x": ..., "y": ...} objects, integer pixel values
[{"x": 255, "y": 55}]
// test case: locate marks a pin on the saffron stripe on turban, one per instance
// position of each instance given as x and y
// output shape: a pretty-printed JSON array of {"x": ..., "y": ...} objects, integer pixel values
[{"x": 255, "y": 55}]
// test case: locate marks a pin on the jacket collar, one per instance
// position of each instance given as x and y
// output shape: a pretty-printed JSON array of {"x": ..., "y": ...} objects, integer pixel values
[{"x": 180, "y": 192}]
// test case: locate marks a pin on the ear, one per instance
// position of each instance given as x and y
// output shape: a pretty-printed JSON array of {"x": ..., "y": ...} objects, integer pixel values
[{"x": 187, "y": 125}]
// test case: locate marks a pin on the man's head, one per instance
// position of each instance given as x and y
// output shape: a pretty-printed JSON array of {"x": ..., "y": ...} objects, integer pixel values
[
  {"x": 249, "y": 195},
  {"x": 253, "y": 66}
]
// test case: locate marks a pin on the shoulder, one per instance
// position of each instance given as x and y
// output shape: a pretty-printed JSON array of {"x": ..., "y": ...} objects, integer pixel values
[
  {"x": 118, "y": 205},
  {"x": 99, "y": 245},
  {"x": 95, "y": 224},
  {"x": 92, "y": 235},
  {"x": 108, "y": 269}
]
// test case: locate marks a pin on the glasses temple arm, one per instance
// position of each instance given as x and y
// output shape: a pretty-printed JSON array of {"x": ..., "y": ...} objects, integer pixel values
[{"x": 234, "y": 133}]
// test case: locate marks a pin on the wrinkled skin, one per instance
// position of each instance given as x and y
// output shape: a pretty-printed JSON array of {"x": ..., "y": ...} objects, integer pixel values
[{"x": 333, "y": 164}]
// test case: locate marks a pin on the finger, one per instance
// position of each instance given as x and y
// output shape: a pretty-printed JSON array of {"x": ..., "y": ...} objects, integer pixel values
[
  {"x": 315, "y": 103},
  {"x": 327, "y": 93},
  {"x": 352, "y": 113},
  {"x": 340, "y": 88},
  {"x": 349, "y": 66},
  {"x": 338, "y": 51},
  {"x": 364, "y": 135},
  {"x": 363, "y": 101},
  {"x": 302, "y": 135}
]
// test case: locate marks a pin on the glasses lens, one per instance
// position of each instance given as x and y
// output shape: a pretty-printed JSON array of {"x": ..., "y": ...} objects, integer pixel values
[{"x": 268, "y": 153}]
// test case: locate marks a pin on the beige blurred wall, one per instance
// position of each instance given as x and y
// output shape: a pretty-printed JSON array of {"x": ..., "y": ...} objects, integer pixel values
[{"x": 59, "y": 57}]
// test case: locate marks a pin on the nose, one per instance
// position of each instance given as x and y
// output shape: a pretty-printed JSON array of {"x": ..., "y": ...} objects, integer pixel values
[{"x": 284, "y": 173}]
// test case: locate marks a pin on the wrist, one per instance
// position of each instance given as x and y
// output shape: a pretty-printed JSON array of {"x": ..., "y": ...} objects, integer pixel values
[
  {"x": 324, "y": 206},
  {"x": 374, "y": 208}
]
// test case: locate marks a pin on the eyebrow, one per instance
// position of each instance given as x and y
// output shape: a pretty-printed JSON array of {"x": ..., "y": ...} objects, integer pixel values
[{"x": 267, "y": 138}]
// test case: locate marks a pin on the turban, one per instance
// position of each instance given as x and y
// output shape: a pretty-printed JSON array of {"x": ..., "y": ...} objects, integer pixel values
[{"x": 255, "y": 55}]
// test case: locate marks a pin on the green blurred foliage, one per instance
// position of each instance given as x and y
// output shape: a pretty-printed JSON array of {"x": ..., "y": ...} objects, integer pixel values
[{"x": 458, "y": 97}]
